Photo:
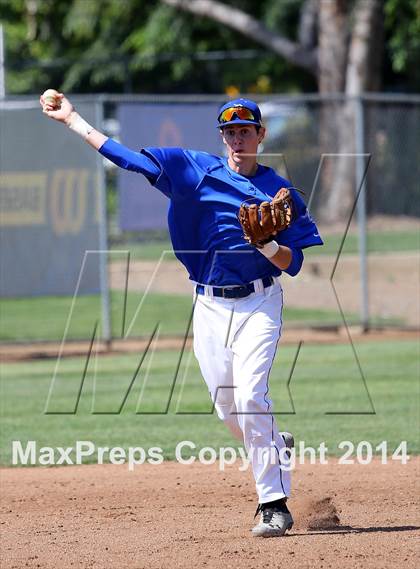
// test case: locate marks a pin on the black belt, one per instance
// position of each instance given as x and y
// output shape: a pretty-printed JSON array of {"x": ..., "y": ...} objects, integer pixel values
[{"x": 239, "y": 291}]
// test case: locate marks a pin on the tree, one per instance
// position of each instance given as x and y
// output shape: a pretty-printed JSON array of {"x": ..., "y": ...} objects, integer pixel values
[
  {"x": 346, "y": 59},
  {"x": 89, "y": 46},
  {"x": 102, "y": 45}
]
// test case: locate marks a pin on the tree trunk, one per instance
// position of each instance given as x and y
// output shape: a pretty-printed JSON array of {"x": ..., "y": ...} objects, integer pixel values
[
  {"x": 361, "y": 74},
  {"x": 333, "y": 45},
  {"x": 333, "y": 40}
]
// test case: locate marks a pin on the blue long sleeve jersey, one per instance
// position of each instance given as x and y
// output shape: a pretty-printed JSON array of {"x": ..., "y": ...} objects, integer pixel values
[{"x": 204, "y": 199}]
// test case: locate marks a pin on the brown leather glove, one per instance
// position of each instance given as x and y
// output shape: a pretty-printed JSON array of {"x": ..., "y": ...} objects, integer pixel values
[{"x": 261, "y": 223}]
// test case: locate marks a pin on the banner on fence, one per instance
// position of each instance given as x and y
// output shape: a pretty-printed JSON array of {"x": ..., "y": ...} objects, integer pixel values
[
  {"x": 49, "y": 205},
  {"x": 147, "y": 124}
]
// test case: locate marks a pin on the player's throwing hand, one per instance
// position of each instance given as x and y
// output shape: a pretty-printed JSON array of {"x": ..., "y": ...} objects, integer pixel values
[{"x": 55, "y": 105}]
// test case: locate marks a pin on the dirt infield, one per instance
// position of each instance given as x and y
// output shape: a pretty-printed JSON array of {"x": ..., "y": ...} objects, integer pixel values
[
  {"x": 291, "y": 336},
  {"x": 173, "y": 516}
]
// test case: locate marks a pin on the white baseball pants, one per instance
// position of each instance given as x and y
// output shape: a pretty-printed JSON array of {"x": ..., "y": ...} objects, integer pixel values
[{"x": 235, "y": 342}]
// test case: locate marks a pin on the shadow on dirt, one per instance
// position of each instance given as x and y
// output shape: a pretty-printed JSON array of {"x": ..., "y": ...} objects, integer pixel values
[{"x": 355, "y": 530}]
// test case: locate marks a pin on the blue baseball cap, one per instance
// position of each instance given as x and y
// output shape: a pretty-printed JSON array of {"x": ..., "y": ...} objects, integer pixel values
[{"x": 253, "y": 116}]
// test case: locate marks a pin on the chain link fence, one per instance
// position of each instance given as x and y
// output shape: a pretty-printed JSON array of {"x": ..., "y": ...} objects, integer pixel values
[{"x": 392, "y": 137}]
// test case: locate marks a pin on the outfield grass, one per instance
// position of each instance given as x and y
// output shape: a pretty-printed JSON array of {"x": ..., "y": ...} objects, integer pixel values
[
  {"x": 326, "y": 379},
  {"x": 44, "y": 318},
  {"x": 378, "y": 242}
]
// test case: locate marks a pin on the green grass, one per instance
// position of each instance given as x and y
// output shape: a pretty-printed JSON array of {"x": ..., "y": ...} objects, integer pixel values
[
  {"x": 326, "y": 379},
  {"x": 146, "y": 251},
  {"x": 378, "y": 242},
  {"x": 44, "y": 318}
]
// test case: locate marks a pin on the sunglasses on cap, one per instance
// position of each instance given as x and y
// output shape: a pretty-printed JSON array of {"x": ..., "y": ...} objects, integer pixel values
[{"x": 241, "y": 112}]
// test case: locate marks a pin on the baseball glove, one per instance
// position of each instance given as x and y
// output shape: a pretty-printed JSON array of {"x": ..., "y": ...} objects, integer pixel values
[{"x": 260, "y": 223}]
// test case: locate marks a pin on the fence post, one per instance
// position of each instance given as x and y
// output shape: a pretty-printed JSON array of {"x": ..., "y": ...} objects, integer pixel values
[
  {"x": 103, "y": 238},
  {"x": 361, "y": 211},
  {"x": 2, "y": 64}
]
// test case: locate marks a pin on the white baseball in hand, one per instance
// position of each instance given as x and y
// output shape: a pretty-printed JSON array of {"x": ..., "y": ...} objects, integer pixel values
[
  {"x": 51, "y": 98},
  {"x": 55, "y": 105}
]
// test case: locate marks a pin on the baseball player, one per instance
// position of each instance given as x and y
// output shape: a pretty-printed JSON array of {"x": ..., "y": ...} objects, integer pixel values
[{"x": 238, "y": 297}]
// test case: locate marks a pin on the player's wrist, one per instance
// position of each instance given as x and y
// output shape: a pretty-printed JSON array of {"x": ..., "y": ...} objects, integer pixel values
[
  {"x": 269, "y": 249},
  {"x": 78, "y": 124}
]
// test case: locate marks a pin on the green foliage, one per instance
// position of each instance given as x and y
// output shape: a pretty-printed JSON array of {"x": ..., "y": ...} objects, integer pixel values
[
  {"x": 283, "y": 17},
  {"x": 134, "y": 45},
  {"x": 148, "y": 47},
  {"x": 402, "y": 21}
]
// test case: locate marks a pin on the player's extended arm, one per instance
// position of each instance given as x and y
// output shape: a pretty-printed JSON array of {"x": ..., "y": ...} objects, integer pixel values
[
  {"x": 67, "y": 115},
  {"x": 58, "y": 107}
]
